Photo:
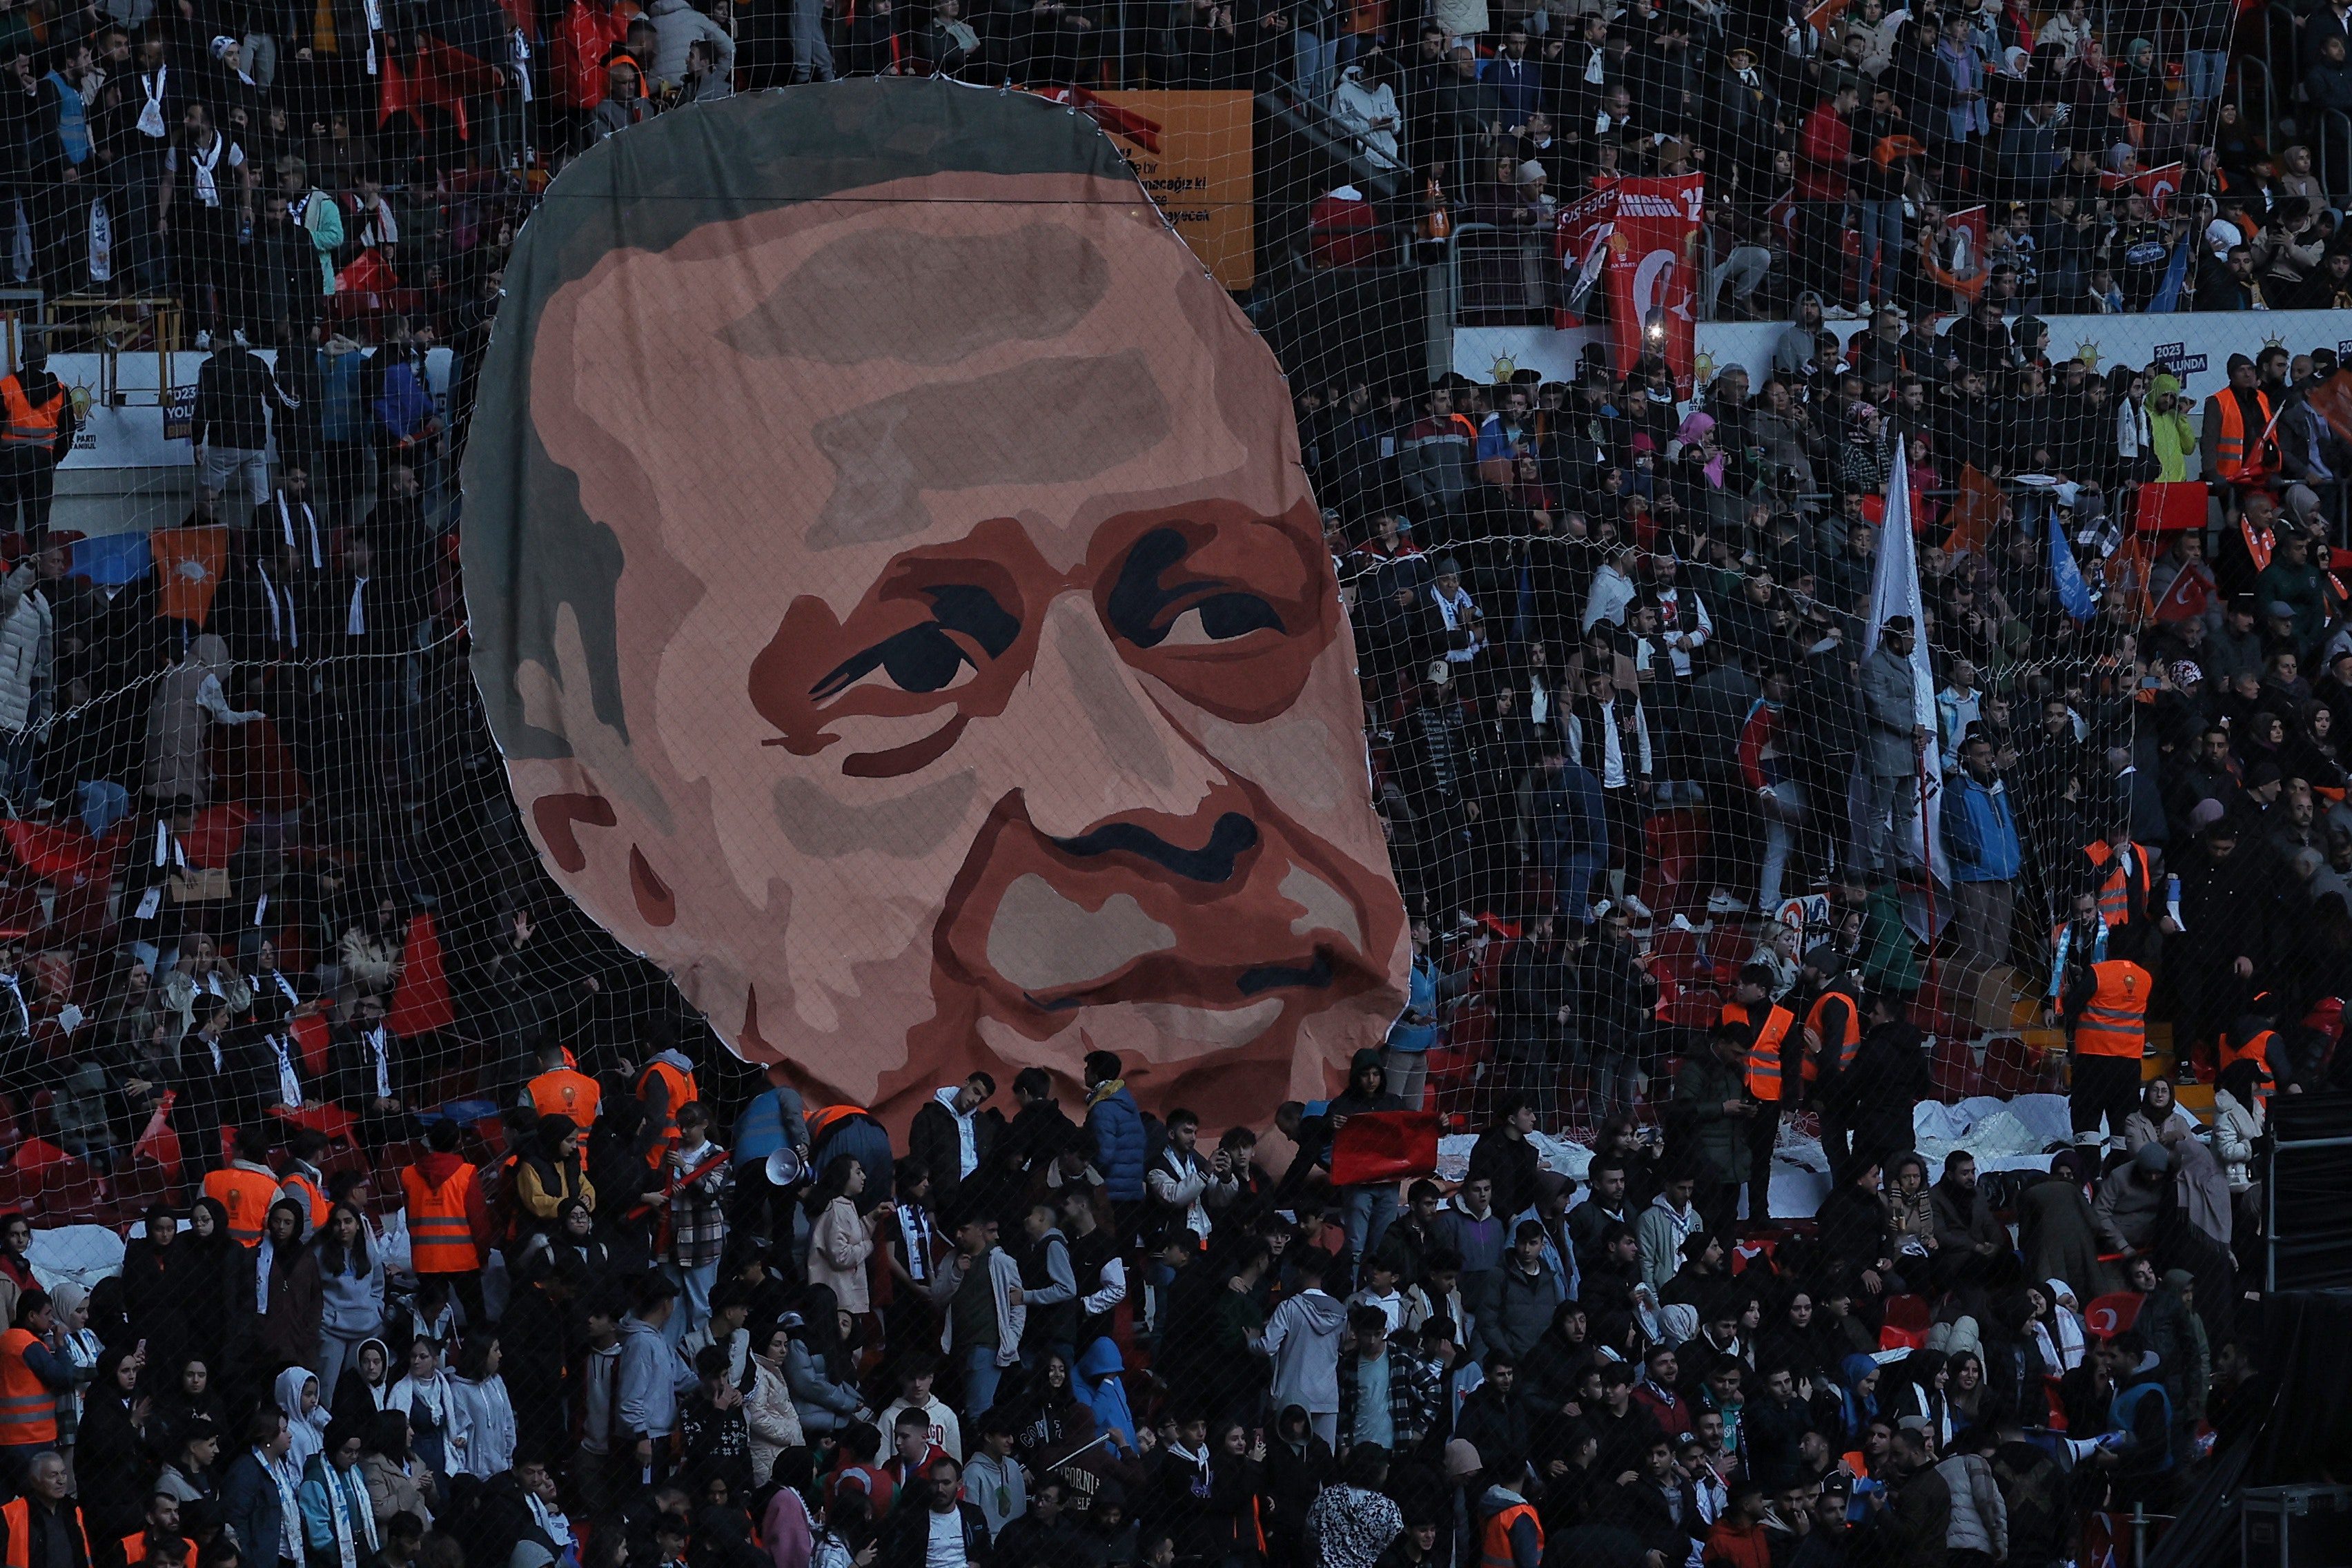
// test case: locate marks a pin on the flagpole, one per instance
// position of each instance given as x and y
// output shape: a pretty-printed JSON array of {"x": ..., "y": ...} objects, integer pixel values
[{"x": 1927, "y": 872}]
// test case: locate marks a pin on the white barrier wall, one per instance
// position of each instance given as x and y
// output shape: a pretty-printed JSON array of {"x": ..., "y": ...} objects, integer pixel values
[{"x": 2196, "y": 345}]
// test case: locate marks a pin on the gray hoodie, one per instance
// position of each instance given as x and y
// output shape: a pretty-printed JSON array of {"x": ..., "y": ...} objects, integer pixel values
[
  {"x": 1303, "y": 1338},
  {"x": 351, "y": 1302},
  {"x": 651, "y": 1380}
]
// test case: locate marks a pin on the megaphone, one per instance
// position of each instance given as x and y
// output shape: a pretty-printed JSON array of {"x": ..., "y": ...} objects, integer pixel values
[{"x": 784, "y": 1168}]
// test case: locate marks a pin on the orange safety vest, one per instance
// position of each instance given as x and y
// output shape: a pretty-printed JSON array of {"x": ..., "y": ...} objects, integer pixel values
[
  {"x": 1848, "y": 1043},
  {"x": 28, "y": 425},
  {"x": 1764, "y": 1055},
  {"x": 28, "y": 1407},
  {"x": 306, "y": 1193},
  {"x": 2232, "y": 460},
  {"x": 247, "y": 1195},
  {"x": 559, "y": 1092},
  {"x": 440, "y": 1236},
  {"x": 2116, "y": 892},
  {"x": 17, "y": 1513},
  {"x": 2114, "y": 1023},
  {"x": 680, "y": 1085},
  {"x": 824, "y": 1116},
  {"x": 1495, "y": 1538},
  {"x": 2258, "y": 1048},
  {"x": 134, "y": 1550}
]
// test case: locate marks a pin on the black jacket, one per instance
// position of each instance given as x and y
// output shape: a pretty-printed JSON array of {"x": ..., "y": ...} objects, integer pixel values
[
  {"x": 234, "y": 393},
  {"x": 907, "y": 1536}
]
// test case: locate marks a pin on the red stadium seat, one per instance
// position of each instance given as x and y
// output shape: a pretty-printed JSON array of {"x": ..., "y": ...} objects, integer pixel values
[{"x": 1907, "y": 1324}]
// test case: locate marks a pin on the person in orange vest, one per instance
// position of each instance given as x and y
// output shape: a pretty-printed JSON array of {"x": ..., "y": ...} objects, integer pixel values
[
  {"x": 448, "y": 1220},
  {"x": 2105, "y": 1007},
  {"x": 158, "y": 1539},
  {"x": 1508, "y": 1533},
  {"x": 562, "y": 1090},
  {"x": 37, "y": 432},
  {"x": 306, "y": 1183},
  {"x": 2239, "y": 447},
  {"x": 2122, "y": 877},
  {"x": 666, "y": 1087},
  {"x": 1776, "y": 1052},
  {"x": 43, "y": 1528},
  {"x": 1834, "y": 1019},
  {"x": 32, "y": 1374},
  {"x": 244, "y": 1187}
]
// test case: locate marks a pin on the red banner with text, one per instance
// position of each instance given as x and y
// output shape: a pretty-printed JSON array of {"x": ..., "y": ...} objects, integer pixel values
[{"x": 1653, "y": 272}]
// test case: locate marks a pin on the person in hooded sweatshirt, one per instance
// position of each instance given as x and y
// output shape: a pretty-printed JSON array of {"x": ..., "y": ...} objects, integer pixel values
[
  {"x": 365, "y": 1386},
  {"x": 651, "y": 1375},
  {"x": 1302, "y": 1338},
  {"x": 436, "y": 1436},
  {"x": 479, "y": 1395},
  {"x": 953, "y": 1134},
  {"x": 297, "y": 1394},
  {"x": 350, "y": 1290}
]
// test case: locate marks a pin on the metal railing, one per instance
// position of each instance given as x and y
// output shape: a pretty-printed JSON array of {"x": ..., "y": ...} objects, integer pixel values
[{"x": 2270, "y": 95}]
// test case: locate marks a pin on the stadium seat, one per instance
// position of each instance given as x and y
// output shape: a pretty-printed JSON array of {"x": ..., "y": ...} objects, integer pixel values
[{"x": 1906, "y": 1325}]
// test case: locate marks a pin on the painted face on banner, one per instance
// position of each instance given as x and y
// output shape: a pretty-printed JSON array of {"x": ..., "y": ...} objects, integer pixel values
[{"x": 987, "y": 693}]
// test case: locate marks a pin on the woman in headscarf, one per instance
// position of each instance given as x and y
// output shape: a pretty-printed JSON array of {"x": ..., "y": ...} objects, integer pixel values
[
  {"x": 351, "y": 1286},
  {"x": 2056, "y": 1234},
  {"x": 365, "y": 1387},
  {"x": 152, "y": 1284},
  {"x": 297, "y": 1394},
  {"x": 570, "y": 1243},
  {"x": 1917, "y": 1388},
  {"x": 2154, "y": 1122},
  {"x": 2238, "y": 1123},
  {"x": 1859, "y": 1374},
  {"x": 2140, "y": 85},
  {"x": 69, "y": 1303},
  {"x": 281, "y": 1290},
  {"x": 188, "y": 701},
  {"x": 209, "y": 1264},
  {"x": 552, "y": 1175},
  {"x": 2057, "y": 1325},
  {"x": 187, "y": 1398},
  {"x": 1797, "y": 1340},
  {"x": 112, "y": 1467}
]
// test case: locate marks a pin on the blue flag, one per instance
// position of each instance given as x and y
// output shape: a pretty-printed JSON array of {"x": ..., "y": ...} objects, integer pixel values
[
  {"x": 2066, "y": 576},
  {"x": 2175, "y": 278},
  {"x": 111, "y": 560}
]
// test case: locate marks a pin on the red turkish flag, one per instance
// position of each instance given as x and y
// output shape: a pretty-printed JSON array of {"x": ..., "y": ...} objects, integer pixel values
[
  {"x": 422, "y": 1004},
  {"x": 1384, "y": 1146},
  {"x": 158, "y": 1142}
]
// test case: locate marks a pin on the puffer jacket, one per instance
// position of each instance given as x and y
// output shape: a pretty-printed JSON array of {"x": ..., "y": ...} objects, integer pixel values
[
  {"x": 1979, "y": 1518},
  {"x": 677, "y": 23},
  {"x": 773, "y": 1419},
  {"x": 26, "y": 624},
  {"x": 1116, "y": 1123},
  {"x": 1524, "y": 1305},
  {"x": 823, "y": 1404}
]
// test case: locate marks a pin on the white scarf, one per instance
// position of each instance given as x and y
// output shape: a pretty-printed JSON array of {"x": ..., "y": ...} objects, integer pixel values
[
  {"x": 353, "y": 1499},
  {"x": 204, "y": 164},
  {"x": 151, "y": 116},
  {"x": 290, "y": 1500},
  {"x": 1594, "y": 65},
  {"x": 355, "y": 624},
  {"x": 914, "y": 1225},
  {"x": 264, "y": 1256},
  {"x": 167, "y": 848},
  {"x": 289, "y": 1085},
  {"x": 23, "y": 1015},
  {"x": 286, "y": 523},
  {"x": 382, "y": 1054}
]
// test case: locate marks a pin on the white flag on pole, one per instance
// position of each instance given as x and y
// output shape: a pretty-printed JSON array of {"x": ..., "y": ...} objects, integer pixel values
[{"x": 1895, "y": 591}]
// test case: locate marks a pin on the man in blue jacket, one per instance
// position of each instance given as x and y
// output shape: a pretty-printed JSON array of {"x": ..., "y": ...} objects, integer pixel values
[
  {"x": 1117, "y": 1128},
  {"x": 1980, "y": 837}
]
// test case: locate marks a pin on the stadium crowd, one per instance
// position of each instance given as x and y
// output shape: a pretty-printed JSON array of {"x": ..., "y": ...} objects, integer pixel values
[{"x": 545, "y": 1282}]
